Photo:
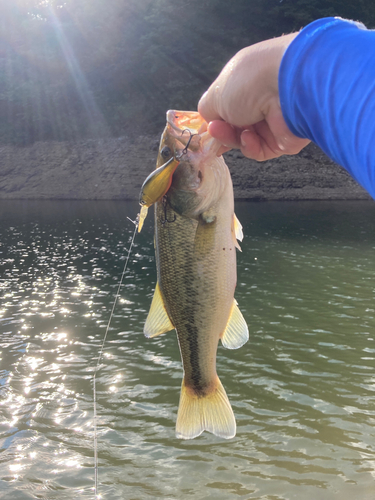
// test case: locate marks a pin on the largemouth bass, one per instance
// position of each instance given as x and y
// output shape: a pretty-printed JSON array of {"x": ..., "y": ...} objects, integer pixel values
[{"x": 196, "y": 234}]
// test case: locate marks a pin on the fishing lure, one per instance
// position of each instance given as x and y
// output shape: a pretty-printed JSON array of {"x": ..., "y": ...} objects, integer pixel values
[{"x": 159, "y": 181}]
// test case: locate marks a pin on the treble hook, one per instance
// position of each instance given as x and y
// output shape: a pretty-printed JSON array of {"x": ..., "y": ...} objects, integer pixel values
[
  {"x": 185, "y": 150},
  {"x": 177, "y": 157},
  {"x": 163, "y": 221}
]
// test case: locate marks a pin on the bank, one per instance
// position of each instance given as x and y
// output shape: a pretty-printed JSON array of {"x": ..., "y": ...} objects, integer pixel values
[{"x": 113, "y": 169}]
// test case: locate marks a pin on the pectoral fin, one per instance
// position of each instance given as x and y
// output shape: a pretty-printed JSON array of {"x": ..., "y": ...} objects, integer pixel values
[
  {"x": 157, "y": 321},
  {"x": 236, "y": 333},
  {"x": 237, "y": 232}
]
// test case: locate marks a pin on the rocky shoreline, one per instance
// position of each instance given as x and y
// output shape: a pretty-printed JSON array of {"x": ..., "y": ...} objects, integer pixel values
[{"x": 114, "y": 169}]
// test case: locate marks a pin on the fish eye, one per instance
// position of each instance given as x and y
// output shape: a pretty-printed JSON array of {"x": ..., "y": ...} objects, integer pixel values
[{"x": 166, "y": 152}]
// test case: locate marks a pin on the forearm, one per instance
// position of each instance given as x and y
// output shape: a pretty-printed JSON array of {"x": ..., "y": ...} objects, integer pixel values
[{"x": 327, "y": 93}]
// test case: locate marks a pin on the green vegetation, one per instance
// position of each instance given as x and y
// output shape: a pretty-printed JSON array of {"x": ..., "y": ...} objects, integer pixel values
[{"x": 74, "y": 69}]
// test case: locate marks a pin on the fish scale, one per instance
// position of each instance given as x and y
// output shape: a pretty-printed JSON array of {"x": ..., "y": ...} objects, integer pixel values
[{"x": 175, "y": 247}]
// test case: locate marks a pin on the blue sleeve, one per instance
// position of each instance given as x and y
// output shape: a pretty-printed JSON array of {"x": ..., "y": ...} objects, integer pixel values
[{"x": 327, "y": 93}]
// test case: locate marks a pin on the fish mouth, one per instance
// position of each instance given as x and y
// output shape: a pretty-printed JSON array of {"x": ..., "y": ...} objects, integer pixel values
[
  {"x": 186, "y": 120},
  {"x": 189, "y": 129}
]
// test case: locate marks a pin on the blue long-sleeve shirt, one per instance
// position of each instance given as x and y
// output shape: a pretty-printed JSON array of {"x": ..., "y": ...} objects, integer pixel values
[{"x": 327, "y": 93}]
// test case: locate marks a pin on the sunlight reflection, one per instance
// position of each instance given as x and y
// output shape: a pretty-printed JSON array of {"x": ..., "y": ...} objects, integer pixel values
[
  {"x": 29, "y": 380},
  {"x": 70, "y": 462},
  {"x": 34, "y": 362},
  {"x": 16, "y": 467},
  {"x": 47, "y": 314},
  {"x": 125, "y": 301},
  {"x": 13, "y": 422}
]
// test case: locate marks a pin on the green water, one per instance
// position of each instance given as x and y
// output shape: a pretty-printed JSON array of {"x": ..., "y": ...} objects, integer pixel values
[{"x": 302, "y": 388}]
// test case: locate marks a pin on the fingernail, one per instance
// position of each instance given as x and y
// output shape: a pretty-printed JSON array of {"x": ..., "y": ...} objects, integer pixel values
[{"x": 243, "y": 143}]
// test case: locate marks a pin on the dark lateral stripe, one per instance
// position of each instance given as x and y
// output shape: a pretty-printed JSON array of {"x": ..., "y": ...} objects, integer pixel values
[
  {"x": 178, "y": 281},
  {"x": 192, "y": 340},
  {"x": 191, "y": 329}
]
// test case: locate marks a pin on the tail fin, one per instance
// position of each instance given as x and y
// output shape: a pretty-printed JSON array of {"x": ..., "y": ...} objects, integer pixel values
[{"x": 212, "y": 413}]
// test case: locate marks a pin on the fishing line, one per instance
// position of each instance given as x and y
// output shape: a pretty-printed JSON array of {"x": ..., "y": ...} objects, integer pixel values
[{"x": 136, "y": 222}]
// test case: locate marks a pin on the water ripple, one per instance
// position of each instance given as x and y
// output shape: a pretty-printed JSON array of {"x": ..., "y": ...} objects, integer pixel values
[{"x": 302, "y": 389}]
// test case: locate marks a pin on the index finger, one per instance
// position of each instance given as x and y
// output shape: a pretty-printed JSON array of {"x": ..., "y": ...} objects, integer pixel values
[
  {"x": 228, "y": 135},
  {"x": 207, "y": 105}
]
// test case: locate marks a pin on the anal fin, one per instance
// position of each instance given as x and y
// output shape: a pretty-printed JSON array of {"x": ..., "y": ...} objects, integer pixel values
[
  {"x": 157, "y": 321},
  {"x": 236, "y": 333},
  {"x": 211, "y": 412}
]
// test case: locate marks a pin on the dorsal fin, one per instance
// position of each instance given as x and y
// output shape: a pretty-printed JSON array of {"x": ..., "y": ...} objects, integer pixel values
[
  {"x": 157, "y": 321},
  {"x": 236, "y": 333}
]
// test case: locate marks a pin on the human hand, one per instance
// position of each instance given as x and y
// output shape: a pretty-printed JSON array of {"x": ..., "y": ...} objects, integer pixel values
[{"x": 242, "y": 105}]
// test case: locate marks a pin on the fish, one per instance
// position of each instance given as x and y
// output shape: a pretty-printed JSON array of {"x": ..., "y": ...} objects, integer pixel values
[{"x": 196, "y": 233}]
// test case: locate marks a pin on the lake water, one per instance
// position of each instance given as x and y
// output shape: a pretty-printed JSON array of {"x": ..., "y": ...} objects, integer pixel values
[{"x": 302, "y": 388}]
